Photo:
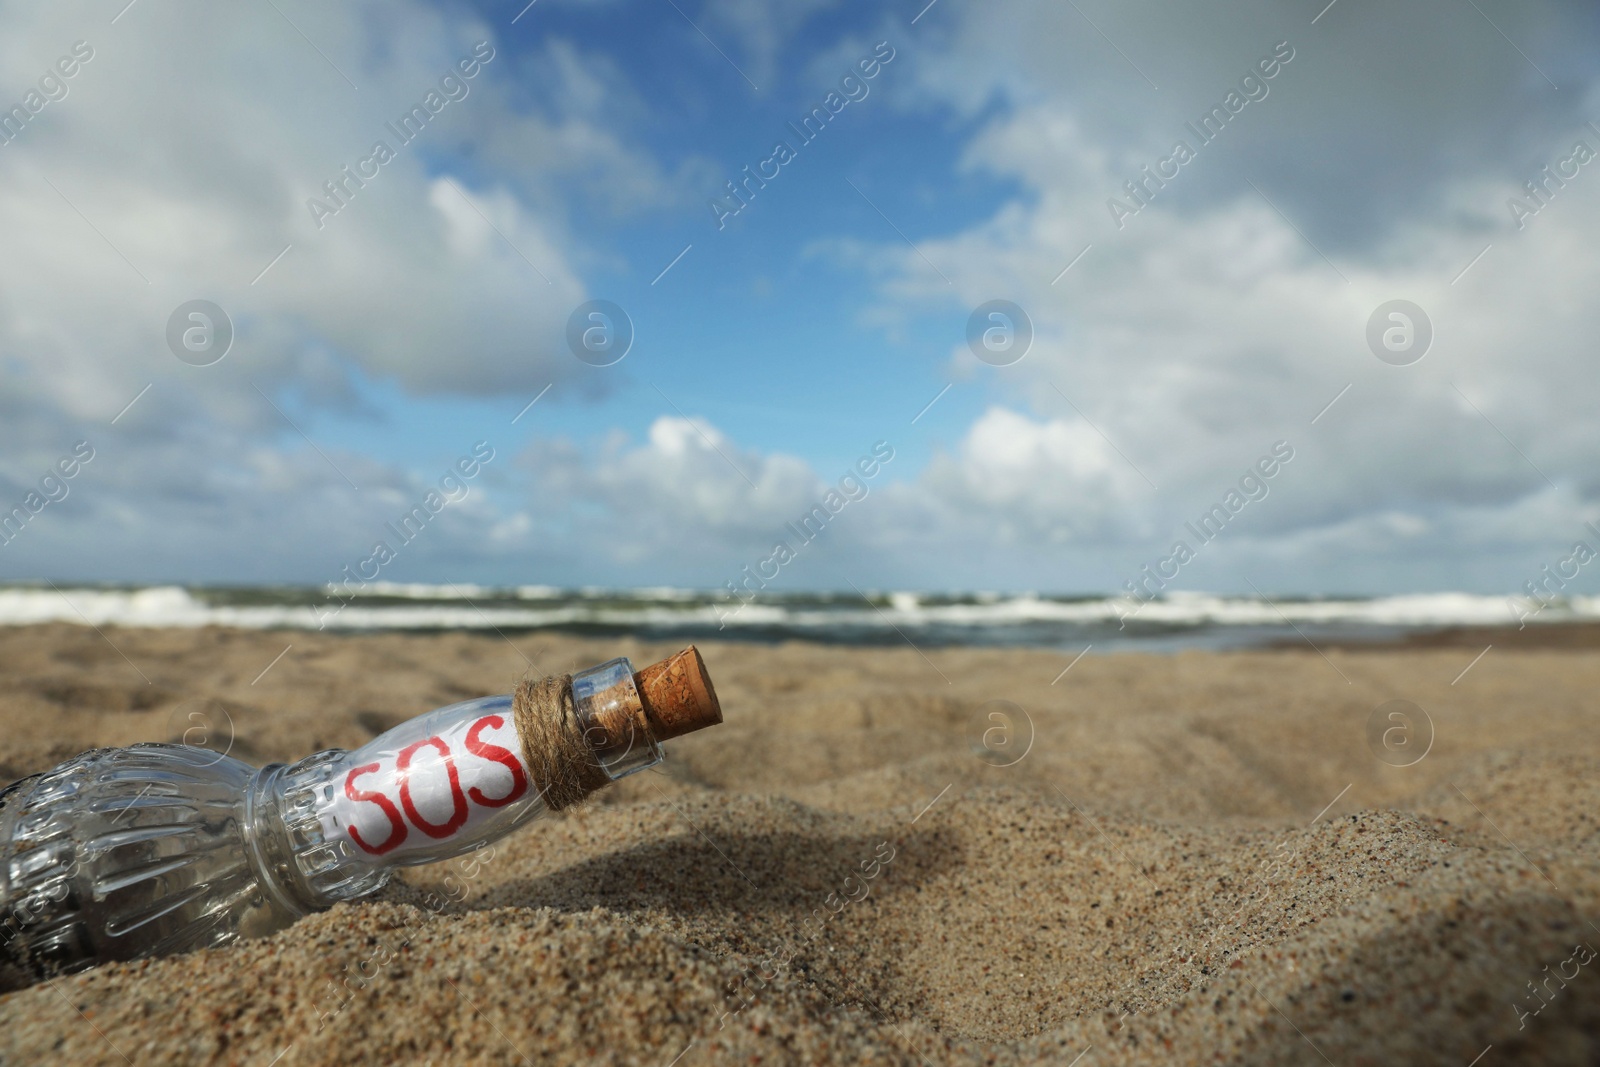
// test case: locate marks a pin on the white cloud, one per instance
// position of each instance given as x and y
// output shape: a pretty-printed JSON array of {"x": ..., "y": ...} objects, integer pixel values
[
  {"x": 686, "y": 498},
  {"x": 674, "y": 505},
  {"x": 179, "y": 164},
  {"x": 762, "y": 29},
  {"x": 175, "y": 155},
  {"x": 1209, "y": 327},
  {"x": 1188, "y": 341},
  {"x": 1036, "y": 483}
]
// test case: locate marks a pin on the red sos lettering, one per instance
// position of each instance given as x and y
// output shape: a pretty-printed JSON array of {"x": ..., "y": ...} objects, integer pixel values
[
  {"x": 458, "y": 799},
  {"x": 474, "y": 744},
  {"x": 496, "y": 754},
  {"x": 397, "y": 835}
]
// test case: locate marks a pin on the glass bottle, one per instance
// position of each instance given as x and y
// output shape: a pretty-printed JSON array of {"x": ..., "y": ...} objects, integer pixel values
[{"x": 158, "y": 848}]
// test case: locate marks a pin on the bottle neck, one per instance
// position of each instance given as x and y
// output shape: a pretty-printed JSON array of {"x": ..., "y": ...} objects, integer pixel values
[
  {"x": 299, "y": 864},
  {"x": 611, "y": 716}
]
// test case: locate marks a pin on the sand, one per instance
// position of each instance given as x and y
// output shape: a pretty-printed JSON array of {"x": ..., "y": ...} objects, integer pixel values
[{"x": 1198, "y": 859}]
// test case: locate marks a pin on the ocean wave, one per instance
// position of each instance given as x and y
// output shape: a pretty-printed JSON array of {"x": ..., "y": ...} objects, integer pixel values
[{"x": 964, "y": 618}]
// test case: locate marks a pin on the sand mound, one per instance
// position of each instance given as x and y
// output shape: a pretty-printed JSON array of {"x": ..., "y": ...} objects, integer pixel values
[{"x": 834, "y": 876}]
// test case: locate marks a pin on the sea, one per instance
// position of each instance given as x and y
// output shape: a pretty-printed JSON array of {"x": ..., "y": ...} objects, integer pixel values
[{"x": 1066, "y": 622}]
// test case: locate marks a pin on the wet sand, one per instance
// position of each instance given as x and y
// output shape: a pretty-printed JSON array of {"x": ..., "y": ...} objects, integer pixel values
[{"x": 1195, "y": 858}]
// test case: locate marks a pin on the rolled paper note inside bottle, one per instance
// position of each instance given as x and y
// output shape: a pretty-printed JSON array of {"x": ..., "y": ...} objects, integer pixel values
[{"x": 154, "y": 849}]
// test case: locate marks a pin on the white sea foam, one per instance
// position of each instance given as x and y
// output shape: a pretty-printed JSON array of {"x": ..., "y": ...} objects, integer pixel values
[{"x": 411, "y": 606}]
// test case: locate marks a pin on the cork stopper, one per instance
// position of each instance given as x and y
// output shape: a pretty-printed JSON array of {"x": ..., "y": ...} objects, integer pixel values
[{"x": 677, "y": 695}]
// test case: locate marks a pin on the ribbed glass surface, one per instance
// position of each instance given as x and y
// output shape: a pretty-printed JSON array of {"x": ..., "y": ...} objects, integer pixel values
[
  {"x": 155, "y": 849},
  {"x": 129, "y": 852}
]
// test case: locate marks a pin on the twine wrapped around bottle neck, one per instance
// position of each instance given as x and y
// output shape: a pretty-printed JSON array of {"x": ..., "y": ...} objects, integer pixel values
[{"x": 561, "y": 763}]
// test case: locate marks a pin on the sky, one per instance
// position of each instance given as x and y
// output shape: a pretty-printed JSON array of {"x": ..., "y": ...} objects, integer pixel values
[{"x": 382, "y": 307}]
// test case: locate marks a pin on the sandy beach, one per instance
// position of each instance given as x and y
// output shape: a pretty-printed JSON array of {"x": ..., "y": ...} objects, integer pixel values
[{"x": 1194, "y": 858}]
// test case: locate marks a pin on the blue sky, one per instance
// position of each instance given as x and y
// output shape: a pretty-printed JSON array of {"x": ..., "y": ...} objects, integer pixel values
[
  {"x": 1377, "y": 163},
  {"x": 756, "y": 328}
]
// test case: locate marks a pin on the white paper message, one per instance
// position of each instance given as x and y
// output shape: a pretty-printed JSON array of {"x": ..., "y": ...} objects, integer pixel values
[{"x": 430, "y": 790}]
